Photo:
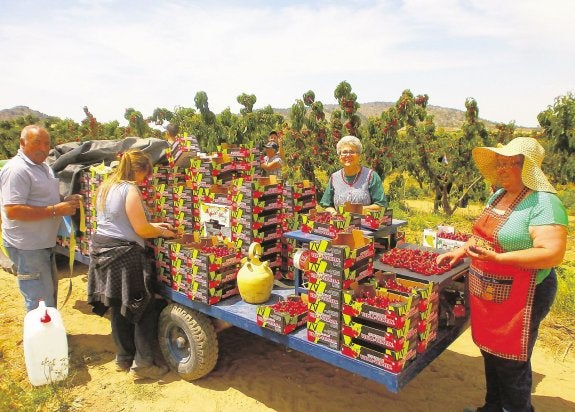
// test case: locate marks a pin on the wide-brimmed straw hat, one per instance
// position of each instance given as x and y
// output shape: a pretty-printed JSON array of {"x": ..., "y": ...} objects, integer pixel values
[{"x": 533, "y": 153}]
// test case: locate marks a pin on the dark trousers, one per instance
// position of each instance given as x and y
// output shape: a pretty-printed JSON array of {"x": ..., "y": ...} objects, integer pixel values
[
  {"x": 135, "y": 341},
  {"x": 508, "y": 381}
]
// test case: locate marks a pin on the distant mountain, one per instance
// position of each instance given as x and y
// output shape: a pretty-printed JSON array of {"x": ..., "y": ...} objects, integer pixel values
[
  {"x": 443, "y": 116},
  {"x": 20, "y": 111}
]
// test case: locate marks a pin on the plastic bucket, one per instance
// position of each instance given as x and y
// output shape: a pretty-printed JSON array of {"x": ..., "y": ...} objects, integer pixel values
[{"x": 45, "y": 346}]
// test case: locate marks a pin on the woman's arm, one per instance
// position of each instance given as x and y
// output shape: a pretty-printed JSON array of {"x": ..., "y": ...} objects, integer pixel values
[
  {"x": 32, "y": 213},
  {"x": 371, "y": 207},
  {"x": 273, "y": 165},
  {"x": 327, "y": 199},
  {"x": 376, "y": 192},
  {"x": 549, "y": 245},
  {"x": 138, "y": 220}
]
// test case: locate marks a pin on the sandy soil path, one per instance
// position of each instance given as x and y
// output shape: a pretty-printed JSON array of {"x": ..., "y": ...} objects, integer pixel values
[{"x": 254, "y": 374}]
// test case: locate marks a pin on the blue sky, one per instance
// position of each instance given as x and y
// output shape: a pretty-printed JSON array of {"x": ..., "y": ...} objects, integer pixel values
[{"x": 513, "y": 57}]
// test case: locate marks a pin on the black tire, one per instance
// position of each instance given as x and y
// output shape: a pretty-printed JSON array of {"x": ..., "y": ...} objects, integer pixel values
[{"x": 188, "y": 341}]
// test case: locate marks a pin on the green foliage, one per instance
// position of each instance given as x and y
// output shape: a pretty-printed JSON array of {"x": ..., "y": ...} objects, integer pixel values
[
  {"x": 558, "y": 123},
  {"x": 308, "y": 149},
  {"x": 565, "y": 300},
  {"x": 567, "y": 196},
  {"x": 248, "y": 101},
  {"x": 418, "y": 221},
  {"x": 404, "y": 138},
  {"x": 137, "y": 126},
  {"x": 160, "y": 115},
  {"x": 348, "y": 103},
  {"x": 297, "y": 115},
  {"x": 9, "y": 138},
  {"x": 396, "y": 191},
  {"x": 66, "y": 130},
  {"x": 201, "y": 101},
  {"x": 414, "y": 192}
]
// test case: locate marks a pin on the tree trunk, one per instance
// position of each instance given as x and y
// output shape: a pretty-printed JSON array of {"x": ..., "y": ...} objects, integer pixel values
[{"x": 450, "y": 211}]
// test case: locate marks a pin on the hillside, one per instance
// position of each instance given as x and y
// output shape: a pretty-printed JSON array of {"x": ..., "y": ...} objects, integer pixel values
[{"x": 20, "y": 111}]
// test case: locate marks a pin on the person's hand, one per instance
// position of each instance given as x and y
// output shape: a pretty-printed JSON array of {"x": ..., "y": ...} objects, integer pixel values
[
  {"x": 331, "y": 210},
  {"x": 480, "y": 253},
  {"x": 74, "y": 200},
  {"x": 164, "y": 225},
  {"x": 452, "y": 257},
  {"x": 166, "y": 230},
  {"x": 68, "y": 207},
  {"x": 169, "y": 234}
]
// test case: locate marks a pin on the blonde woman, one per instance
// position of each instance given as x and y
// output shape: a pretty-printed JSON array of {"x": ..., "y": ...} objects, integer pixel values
[{"x": 121, "y": 273}]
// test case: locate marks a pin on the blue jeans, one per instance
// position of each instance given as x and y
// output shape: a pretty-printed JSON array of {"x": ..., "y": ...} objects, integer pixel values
[{"x": 37, "y": 275}]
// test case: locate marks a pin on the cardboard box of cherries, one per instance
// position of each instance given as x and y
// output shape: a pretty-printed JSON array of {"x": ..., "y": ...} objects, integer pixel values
[{"x": 283, "y": 316}]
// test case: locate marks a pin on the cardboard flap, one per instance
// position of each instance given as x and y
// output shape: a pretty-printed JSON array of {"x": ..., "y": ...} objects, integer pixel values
[
  {"x": 353, "y": 240},
  {"x": 224, "y": 158},
  {"x": 219, "y": 188},
  {"x": 268, "y": 180},
  {"x": 359, "y": 239},
  {"x": 194, "y": 240},
  {"x": 353, "y": 208}
]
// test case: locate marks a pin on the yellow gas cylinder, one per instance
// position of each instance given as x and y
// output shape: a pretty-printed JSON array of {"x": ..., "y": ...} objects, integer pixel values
[{"x": 255, "y": 278}]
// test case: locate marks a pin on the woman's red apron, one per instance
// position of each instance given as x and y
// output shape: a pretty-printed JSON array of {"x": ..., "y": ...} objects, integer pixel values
[{"x": 500, "y": 296}]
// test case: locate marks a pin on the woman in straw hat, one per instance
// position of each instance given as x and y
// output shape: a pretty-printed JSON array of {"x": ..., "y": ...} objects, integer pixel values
[{"x": 517, "y": 241}]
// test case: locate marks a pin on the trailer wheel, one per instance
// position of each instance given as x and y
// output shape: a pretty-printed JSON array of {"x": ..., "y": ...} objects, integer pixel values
[{"x": 188, "y": 341}]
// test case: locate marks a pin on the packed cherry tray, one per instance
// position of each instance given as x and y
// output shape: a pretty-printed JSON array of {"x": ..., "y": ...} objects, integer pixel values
[{"x": 416, "y": 260}]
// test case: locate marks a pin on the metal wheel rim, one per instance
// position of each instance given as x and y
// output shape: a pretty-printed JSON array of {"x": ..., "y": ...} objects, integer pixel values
[{"x": 179, "y": 343}]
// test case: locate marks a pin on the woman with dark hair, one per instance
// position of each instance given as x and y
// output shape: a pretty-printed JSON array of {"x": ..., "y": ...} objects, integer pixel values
[
  {"x": 172, "y": 131},
  {"x": 121, "y": 273}
]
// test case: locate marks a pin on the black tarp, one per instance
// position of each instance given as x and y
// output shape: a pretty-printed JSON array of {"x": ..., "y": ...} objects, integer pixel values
[{"x": 69, "y": 159}]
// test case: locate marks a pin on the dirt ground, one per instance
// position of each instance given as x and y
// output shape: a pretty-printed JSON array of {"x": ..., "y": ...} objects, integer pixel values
[{"x": 253, "y": 374}]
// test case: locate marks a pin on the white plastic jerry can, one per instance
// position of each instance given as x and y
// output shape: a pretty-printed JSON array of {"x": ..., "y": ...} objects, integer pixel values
[{"x": 45, "y": 345}]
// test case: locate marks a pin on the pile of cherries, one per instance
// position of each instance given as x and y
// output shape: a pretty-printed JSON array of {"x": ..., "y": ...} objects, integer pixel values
[
  {"x": 416, "y": 260},
  {"x": 291, "y": 307},
  {"x": 378, "y": 301},
  {"x": 462, "y": 237},
  {"x": 219, "y": 251},
  {"x": 326, "y": 217},
  {"x": 392, "y": 284}
]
